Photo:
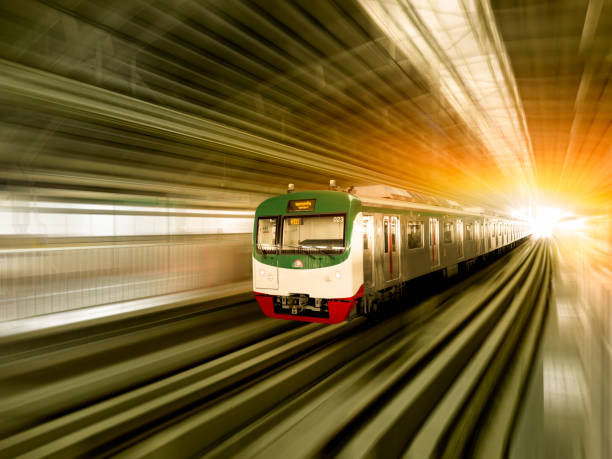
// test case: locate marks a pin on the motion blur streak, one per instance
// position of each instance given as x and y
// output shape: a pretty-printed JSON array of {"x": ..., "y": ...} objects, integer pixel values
[
  {"x": 569, "y": 403},
  {"x": 457, "y": 46}
]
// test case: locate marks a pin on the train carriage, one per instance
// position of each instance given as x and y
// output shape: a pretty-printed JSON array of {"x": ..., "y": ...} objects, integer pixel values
[{"x": 326, "y": 256}]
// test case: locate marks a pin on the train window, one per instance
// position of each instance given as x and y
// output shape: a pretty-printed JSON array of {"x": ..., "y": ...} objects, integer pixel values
[
  {"x": 499, "y": 229},
  {"x": 415, "y": 235},
  {"x": 266, "y": 232},
  {"x": 366, "y": 232},
  {"x": 386, "y": 234},
  {"x": 448, "y": 232}
]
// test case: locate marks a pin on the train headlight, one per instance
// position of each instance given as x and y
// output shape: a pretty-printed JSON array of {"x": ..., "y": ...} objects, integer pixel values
[
  {"x": 338, "y": 275},
  {"x": 262, "y": 272}
]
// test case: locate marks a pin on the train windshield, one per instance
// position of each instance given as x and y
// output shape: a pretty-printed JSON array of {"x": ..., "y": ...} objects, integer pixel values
[{"x": 314, "y": 233}]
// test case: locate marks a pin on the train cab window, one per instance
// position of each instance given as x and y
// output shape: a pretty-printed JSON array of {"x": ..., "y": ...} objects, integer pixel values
[
  {"x": 415, "y": 235},
  {"x": 448, "y": 232},
  {"x": 267, "y": 234},
  {"x": 313, "y": 233}
]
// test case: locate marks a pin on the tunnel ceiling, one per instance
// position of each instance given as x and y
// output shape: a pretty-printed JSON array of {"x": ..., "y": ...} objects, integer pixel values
[{"x": 223, "y": 102}]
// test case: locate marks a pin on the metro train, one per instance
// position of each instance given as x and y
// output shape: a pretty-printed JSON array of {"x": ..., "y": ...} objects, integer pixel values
[{"x": 328, "y": 256}]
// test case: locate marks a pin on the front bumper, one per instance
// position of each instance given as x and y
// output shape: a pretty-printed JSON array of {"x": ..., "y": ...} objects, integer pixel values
[{"x": 301, "y": 308}]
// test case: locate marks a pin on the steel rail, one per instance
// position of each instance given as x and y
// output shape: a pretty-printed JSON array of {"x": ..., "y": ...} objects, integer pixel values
[
  {"x": 328, "y": 412},
  {"x": 449, "y": 428},
  {"x": 390, "y": 430},
  {"x": 498, "y": 422},
  {"x": 195, "y": 433},
  {"x": 17, "y": 346},
  {"x": 67, "y": 349},
  {"x": 257, "y": 388},
  {"x": 83, "y": 430}
]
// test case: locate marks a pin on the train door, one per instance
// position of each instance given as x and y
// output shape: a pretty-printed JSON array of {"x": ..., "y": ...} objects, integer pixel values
[
  {"x": 459, "y": 239},
  {"x": 477, "y": 237},
  {"x": 395, "y": 246},
  {"x": 434, "y": 241},
  {"x": 368, "y": 249},
  {"x": 483, "y": 236},
  {"x": 391, "y": 242},
  {"x": 493, "y": 228}
]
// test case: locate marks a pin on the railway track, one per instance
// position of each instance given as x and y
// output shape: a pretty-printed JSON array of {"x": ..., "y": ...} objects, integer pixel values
[{"x": 421, "y": 382}]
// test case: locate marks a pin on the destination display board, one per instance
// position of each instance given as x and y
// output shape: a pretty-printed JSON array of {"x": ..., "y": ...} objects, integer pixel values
[{"x": 301, "y": 205}]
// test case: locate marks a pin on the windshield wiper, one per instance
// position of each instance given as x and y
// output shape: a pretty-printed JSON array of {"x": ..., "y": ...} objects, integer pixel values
[
  {"x": 266, "y": 251},
  {"x": 301, "y": 248},
  {"x": 323, "y": 251}
]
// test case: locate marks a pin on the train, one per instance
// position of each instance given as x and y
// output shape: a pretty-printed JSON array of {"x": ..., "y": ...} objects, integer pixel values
[{"x": 328, "y": 256}]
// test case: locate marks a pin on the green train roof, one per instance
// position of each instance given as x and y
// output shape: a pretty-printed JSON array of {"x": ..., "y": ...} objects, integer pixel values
[{"x": 324, "y": 202}]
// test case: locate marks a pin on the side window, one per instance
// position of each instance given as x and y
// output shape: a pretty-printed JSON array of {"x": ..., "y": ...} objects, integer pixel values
[
  {"x": 448, "y": 232},
  {"x": 415, "y": 235},
  {"x": 266, "y": 232}
]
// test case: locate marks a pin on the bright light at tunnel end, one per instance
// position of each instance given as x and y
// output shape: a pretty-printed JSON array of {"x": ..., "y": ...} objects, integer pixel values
[{"x": 545, "y": 222}]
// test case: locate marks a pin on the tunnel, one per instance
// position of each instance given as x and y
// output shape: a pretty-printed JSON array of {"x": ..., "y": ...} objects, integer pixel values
[{"x": 295, "y": 228}]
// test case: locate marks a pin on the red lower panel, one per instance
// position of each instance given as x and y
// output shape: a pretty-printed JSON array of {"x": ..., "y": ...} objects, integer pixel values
[{"x": 339, "y": 308}]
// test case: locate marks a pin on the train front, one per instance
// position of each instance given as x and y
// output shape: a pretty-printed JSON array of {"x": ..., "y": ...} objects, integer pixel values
[{"x": 307, "y": 256}]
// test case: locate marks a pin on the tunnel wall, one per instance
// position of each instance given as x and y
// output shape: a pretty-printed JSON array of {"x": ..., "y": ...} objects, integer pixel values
[{"x": 79, "y": 274}]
